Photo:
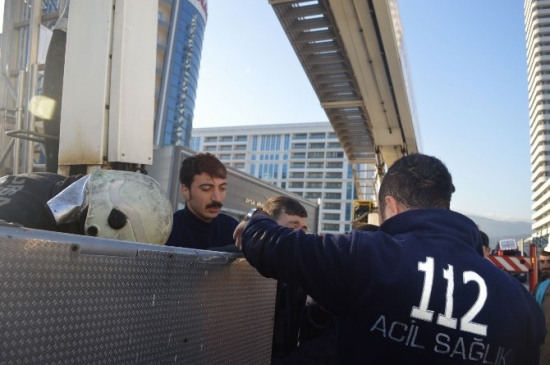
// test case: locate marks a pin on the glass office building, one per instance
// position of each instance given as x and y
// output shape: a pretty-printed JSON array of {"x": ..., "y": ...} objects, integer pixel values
[{"x": 180, "y": 36}]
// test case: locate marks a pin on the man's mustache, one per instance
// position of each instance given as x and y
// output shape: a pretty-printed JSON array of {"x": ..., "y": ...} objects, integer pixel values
[{"x": 214, "y": 205}]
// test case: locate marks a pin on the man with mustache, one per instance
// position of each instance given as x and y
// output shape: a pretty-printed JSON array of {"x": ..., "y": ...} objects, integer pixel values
[
  {"x": 544, "y": 264},
  {"x": 200, "y": 224}
]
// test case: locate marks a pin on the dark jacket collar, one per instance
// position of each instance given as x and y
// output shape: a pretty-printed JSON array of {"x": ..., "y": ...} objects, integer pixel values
[{"x": 433, "y": 220}]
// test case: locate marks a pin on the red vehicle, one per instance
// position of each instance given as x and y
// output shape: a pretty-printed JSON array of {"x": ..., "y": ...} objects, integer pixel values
[{"x": 508, "y": 257}]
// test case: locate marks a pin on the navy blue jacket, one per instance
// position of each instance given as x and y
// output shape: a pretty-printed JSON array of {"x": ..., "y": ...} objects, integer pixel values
[
  {"x": 192, "y": 232},
  {"x": 416, "y": 292}
]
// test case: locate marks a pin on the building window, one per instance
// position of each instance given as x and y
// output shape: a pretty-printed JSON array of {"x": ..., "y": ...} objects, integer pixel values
[
  {"x": 334, "y": 165},
  {"x": 314, "y": 175},
  {"x": 297, "y": 165},
  {"x": 317, "y": 145},
  {"x": 225, "y": 148},
  {"x": 335, "y": 154},
  {"x": 195, "y": 143},
  {"x": 239, "y": 156},
  {"x": 333, "y": 185},
  {"x": 315, "y": 165},
  {"x": 314, "y": 185},
  {"x": 240, "y": 138},
  {"x": 226, "y": 139},
  {"x": 334, "y": 145},
  {"x": 239, "y": 165},
  {"x": 240, "y": 147},
  {"x": 299, "y": 136},
  {"x": 331, "y": 227},
  {"x": 210, "y": 148},
  {"x": 298, "y": 155},
  {"x": 224, "y": 156},
  {"x": 312, "y": 195},
  {"x": 255, "y": 143},
  {"x": 333, "y": 196},
  {"x": 331, "y": 216},
  {"x": 331, "y": 206},
  {"x": 331, "y": 135},
  {"x": 297, "y": 175},
  {"x": 211, "y": 139},
  {"x": 333, "y": 175},
  {"x": 270, "y": 142},
  {"x": 287, "y": 141},
  {"x": 296, "y": 184},
  {"x": 317, "y": 135},
  {"x": 316, "y": 154},
  {"x": 299, "y": 146},
  {"x": 349, "y": 191}
]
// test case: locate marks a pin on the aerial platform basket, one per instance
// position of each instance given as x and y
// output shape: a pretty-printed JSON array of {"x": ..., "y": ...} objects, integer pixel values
[{"x": 67, "y": 299}]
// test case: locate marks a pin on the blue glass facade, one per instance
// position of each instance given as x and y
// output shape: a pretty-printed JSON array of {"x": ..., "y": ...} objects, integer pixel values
[{"x": 180, "y": 71}]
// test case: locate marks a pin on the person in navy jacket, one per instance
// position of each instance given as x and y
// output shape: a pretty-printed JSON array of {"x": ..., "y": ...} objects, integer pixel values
[
  {"x": 200, "y": 224},
  {"x": 418, "y": 291}
]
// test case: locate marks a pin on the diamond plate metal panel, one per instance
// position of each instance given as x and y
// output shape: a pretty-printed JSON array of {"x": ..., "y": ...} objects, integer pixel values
[{"x": 68, "y": 299}]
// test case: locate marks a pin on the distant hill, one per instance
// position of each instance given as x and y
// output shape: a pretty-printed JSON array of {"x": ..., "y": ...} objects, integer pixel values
[{"x": 497, "y": 230}]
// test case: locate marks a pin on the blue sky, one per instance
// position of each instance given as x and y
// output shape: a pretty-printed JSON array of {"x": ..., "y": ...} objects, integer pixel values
[{"x": 467, "y": 64}]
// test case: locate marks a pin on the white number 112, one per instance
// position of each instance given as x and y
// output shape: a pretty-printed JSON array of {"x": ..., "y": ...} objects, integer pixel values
[{"x": 466, "y": 324}]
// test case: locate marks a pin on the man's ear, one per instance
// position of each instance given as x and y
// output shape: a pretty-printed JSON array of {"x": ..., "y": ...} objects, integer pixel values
[
  {"x": 392, "y": 206},
  {"x": 185, "y": 192}
]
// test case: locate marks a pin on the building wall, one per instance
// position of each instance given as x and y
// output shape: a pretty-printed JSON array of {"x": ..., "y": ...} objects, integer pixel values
[
  {"x": 180, "y": 36},
  {"x": 306, "y": 159},
  {"x": 537, "y": 29}
]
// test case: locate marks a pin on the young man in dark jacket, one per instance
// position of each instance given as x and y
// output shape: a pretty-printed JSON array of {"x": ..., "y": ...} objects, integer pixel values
[
  {"x": 200, "y": 224},
  {"x": 418, "y": 291}
]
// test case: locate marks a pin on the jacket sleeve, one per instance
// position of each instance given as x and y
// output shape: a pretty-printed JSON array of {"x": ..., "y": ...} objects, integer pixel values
[{"x": 322, "y": 266}]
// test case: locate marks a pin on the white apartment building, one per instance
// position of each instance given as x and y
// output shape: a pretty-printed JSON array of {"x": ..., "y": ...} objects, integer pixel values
[
  {"x": 305, "y": 158},
  {"x": 537, "y": 30}
]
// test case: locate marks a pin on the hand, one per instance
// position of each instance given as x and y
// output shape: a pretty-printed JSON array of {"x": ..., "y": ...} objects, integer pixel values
[{"x": 238, "y": 235}]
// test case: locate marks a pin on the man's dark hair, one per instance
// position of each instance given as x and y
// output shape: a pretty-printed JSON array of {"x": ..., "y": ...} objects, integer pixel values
[
  {"x": 276, "y": 205},
  {"x": 484, "y": 239},
  {"x": 201, "y": 163},
  {"x": 417, "y": 181}
]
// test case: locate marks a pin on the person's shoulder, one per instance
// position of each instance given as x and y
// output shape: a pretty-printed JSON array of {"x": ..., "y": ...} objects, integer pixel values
[{"x": 178, "y": 213}]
